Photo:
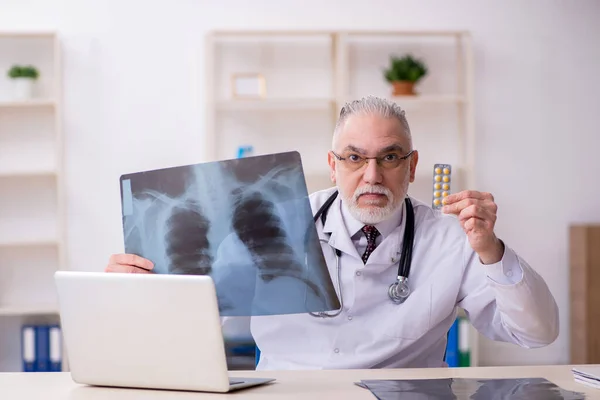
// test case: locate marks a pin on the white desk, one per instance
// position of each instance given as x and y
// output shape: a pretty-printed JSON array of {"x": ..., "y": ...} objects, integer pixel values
[{"x": 305, "y": 385}]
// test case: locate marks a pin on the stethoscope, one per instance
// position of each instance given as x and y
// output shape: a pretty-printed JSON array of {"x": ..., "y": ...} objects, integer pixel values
[{"x": 398, "y": 291}]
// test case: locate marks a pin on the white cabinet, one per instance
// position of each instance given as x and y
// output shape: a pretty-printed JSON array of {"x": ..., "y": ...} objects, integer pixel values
[
  {"x": 305, "y": 77},
  {"x": 32, "y": 207}
]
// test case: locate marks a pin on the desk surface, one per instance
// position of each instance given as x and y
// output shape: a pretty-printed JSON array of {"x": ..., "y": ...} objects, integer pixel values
[{"x": 303, "y": 385}]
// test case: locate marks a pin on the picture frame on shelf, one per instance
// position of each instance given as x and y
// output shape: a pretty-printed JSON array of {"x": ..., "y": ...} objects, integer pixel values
[{"x": 248, "y": 86}]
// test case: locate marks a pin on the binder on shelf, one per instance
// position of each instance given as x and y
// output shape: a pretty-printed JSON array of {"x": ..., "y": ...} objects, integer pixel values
[
  {"x": 244, "y": 151},
  {"x": 464, "y": 345},
  {"x": 28, "y": 348},
  {"x": 452, "y": 355},
  {"x": 42, "y": 347},
  {"x": 55, "y": 349}
]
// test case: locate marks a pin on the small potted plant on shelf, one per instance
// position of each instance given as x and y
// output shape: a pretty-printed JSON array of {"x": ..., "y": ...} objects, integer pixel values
[
  {"x": 404, "y": 73},
  {"x": 23, "y": 77}
]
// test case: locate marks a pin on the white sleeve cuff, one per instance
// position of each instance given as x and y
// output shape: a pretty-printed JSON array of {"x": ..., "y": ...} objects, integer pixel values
[{"x": 507, "y": 271}]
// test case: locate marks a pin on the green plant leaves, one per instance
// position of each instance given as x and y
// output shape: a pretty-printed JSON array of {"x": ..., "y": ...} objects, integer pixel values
[
  {"x": 407, "y": 68},
  {"x": 23, "y": 71}
]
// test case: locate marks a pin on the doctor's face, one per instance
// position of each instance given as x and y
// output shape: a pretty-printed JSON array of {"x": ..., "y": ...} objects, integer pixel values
[{"x": 373, "y": 189}]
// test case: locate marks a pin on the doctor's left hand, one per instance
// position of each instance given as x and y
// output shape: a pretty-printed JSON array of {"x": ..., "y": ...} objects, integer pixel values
[{"x": 476, "y": 212}]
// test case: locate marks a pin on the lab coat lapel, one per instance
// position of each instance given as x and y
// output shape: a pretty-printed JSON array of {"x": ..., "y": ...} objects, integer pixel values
[{"x": 335, "y": 227}]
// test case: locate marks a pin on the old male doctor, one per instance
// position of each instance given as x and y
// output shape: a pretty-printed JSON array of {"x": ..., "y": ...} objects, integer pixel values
[{"x": 457, "y": 261}]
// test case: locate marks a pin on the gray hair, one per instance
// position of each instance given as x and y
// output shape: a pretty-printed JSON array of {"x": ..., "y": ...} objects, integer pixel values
[{"x": 372, "y": 105}]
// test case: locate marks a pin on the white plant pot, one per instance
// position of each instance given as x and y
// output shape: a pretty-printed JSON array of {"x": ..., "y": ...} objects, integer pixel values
[{"x": 23, "y": 88}]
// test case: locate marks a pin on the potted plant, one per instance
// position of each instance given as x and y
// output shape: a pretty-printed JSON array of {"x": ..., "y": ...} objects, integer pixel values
[
  {"x": 404, "y": 73},
  {"x": 23, "y": 77}
]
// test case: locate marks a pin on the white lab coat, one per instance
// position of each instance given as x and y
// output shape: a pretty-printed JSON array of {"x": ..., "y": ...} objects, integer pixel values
[{"x": 506, "y": 301}]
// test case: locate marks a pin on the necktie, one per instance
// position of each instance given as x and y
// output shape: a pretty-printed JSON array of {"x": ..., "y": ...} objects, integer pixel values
[{"x": 371, "y": 233}]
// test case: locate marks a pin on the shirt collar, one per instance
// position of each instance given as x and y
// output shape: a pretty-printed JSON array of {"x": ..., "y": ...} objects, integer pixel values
[{"x": 385, "y": 228}]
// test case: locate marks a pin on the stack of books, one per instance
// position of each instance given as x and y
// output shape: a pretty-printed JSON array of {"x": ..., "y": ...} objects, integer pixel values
[{"x": 587, "y": 375}]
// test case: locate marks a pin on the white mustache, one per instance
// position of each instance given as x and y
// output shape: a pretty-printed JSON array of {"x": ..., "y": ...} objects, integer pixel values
[{"x": 372, "y": 189}]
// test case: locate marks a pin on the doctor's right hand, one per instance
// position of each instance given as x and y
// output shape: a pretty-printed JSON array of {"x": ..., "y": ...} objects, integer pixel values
[{"x": 129, "y": 263}]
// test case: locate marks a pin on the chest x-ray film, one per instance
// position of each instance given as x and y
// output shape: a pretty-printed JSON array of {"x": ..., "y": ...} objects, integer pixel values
[
  {"x": 468, "y": 388},
  {"x": 245, "y": 222}
]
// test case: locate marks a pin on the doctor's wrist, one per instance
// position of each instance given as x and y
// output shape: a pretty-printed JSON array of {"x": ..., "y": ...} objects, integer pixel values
[{"x": 494, "y": 255}]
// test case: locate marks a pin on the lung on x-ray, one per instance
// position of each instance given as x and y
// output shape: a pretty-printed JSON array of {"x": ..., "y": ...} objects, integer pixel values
[{"x": 245, "y": 222}]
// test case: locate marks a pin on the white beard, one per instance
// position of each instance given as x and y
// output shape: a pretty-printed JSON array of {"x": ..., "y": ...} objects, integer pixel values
[{"x": 374, "y": 214}]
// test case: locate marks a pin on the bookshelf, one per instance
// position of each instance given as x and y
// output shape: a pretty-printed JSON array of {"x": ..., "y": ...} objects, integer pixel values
[
  {"x": 32, "y": 216},
  {"x": 309, "y": 75}
]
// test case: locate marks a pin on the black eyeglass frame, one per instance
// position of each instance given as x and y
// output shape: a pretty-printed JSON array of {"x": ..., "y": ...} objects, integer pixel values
[{"x": 377, "y": 159}]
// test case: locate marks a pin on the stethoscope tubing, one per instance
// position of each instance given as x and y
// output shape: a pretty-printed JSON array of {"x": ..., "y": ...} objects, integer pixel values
[{"x": 397, "y": 291}]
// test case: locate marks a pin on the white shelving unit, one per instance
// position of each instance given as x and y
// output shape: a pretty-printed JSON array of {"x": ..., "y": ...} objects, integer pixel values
[
  {"x": 32, "y": 200},
  {"x": 309, "y": 75}
]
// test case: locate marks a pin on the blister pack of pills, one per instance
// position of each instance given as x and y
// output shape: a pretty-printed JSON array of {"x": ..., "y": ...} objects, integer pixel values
[{"x": 442, "y": 184}]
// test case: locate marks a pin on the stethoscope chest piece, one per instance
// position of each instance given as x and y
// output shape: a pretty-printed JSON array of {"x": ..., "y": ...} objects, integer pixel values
[{"x": 399, "y": 290}]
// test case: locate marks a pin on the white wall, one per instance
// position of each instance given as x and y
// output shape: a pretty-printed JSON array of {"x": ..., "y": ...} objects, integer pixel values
[{"x": 130, "y": 104}]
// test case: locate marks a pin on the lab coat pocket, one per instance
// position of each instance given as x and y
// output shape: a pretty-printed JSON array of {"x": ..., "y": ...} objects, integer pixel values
[{"x": 412, "y": 319}]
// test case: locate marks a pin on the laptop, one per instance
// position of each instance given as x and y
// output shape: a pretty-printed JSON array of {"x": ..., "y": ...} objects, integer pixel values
[{"x": 154, "y": 331}]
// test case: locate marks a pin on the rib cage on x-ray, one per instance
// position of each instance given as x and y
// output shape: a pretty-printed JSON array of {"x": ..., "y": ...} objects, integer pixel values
[{"x": 246, "y": 222}]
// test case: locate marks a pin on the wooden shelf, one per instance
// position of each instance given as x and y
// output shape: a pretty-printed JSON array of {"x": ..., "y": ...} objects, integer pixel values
[
  {"x": 29, "y": 242},
  {"x": 36, "y": 103},
  {"x": 279, "y": 33},
  {"x": 405, "y": 33},
  {"x": 16, "y": 173},
  {"x": 428, "y": 99},
  {"x": 25, "y": 234},
  {"x": 25, "y": 310},
  {"x": 420, "y": 99},
  {"x": 27, "y": 34},
  {"x": 272, "y": 104}
]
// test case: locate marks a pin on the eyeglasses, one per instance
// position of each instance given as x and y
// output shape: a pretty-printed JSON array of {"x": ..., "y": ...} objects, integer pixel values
[{"x": 355, "y": 161}]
